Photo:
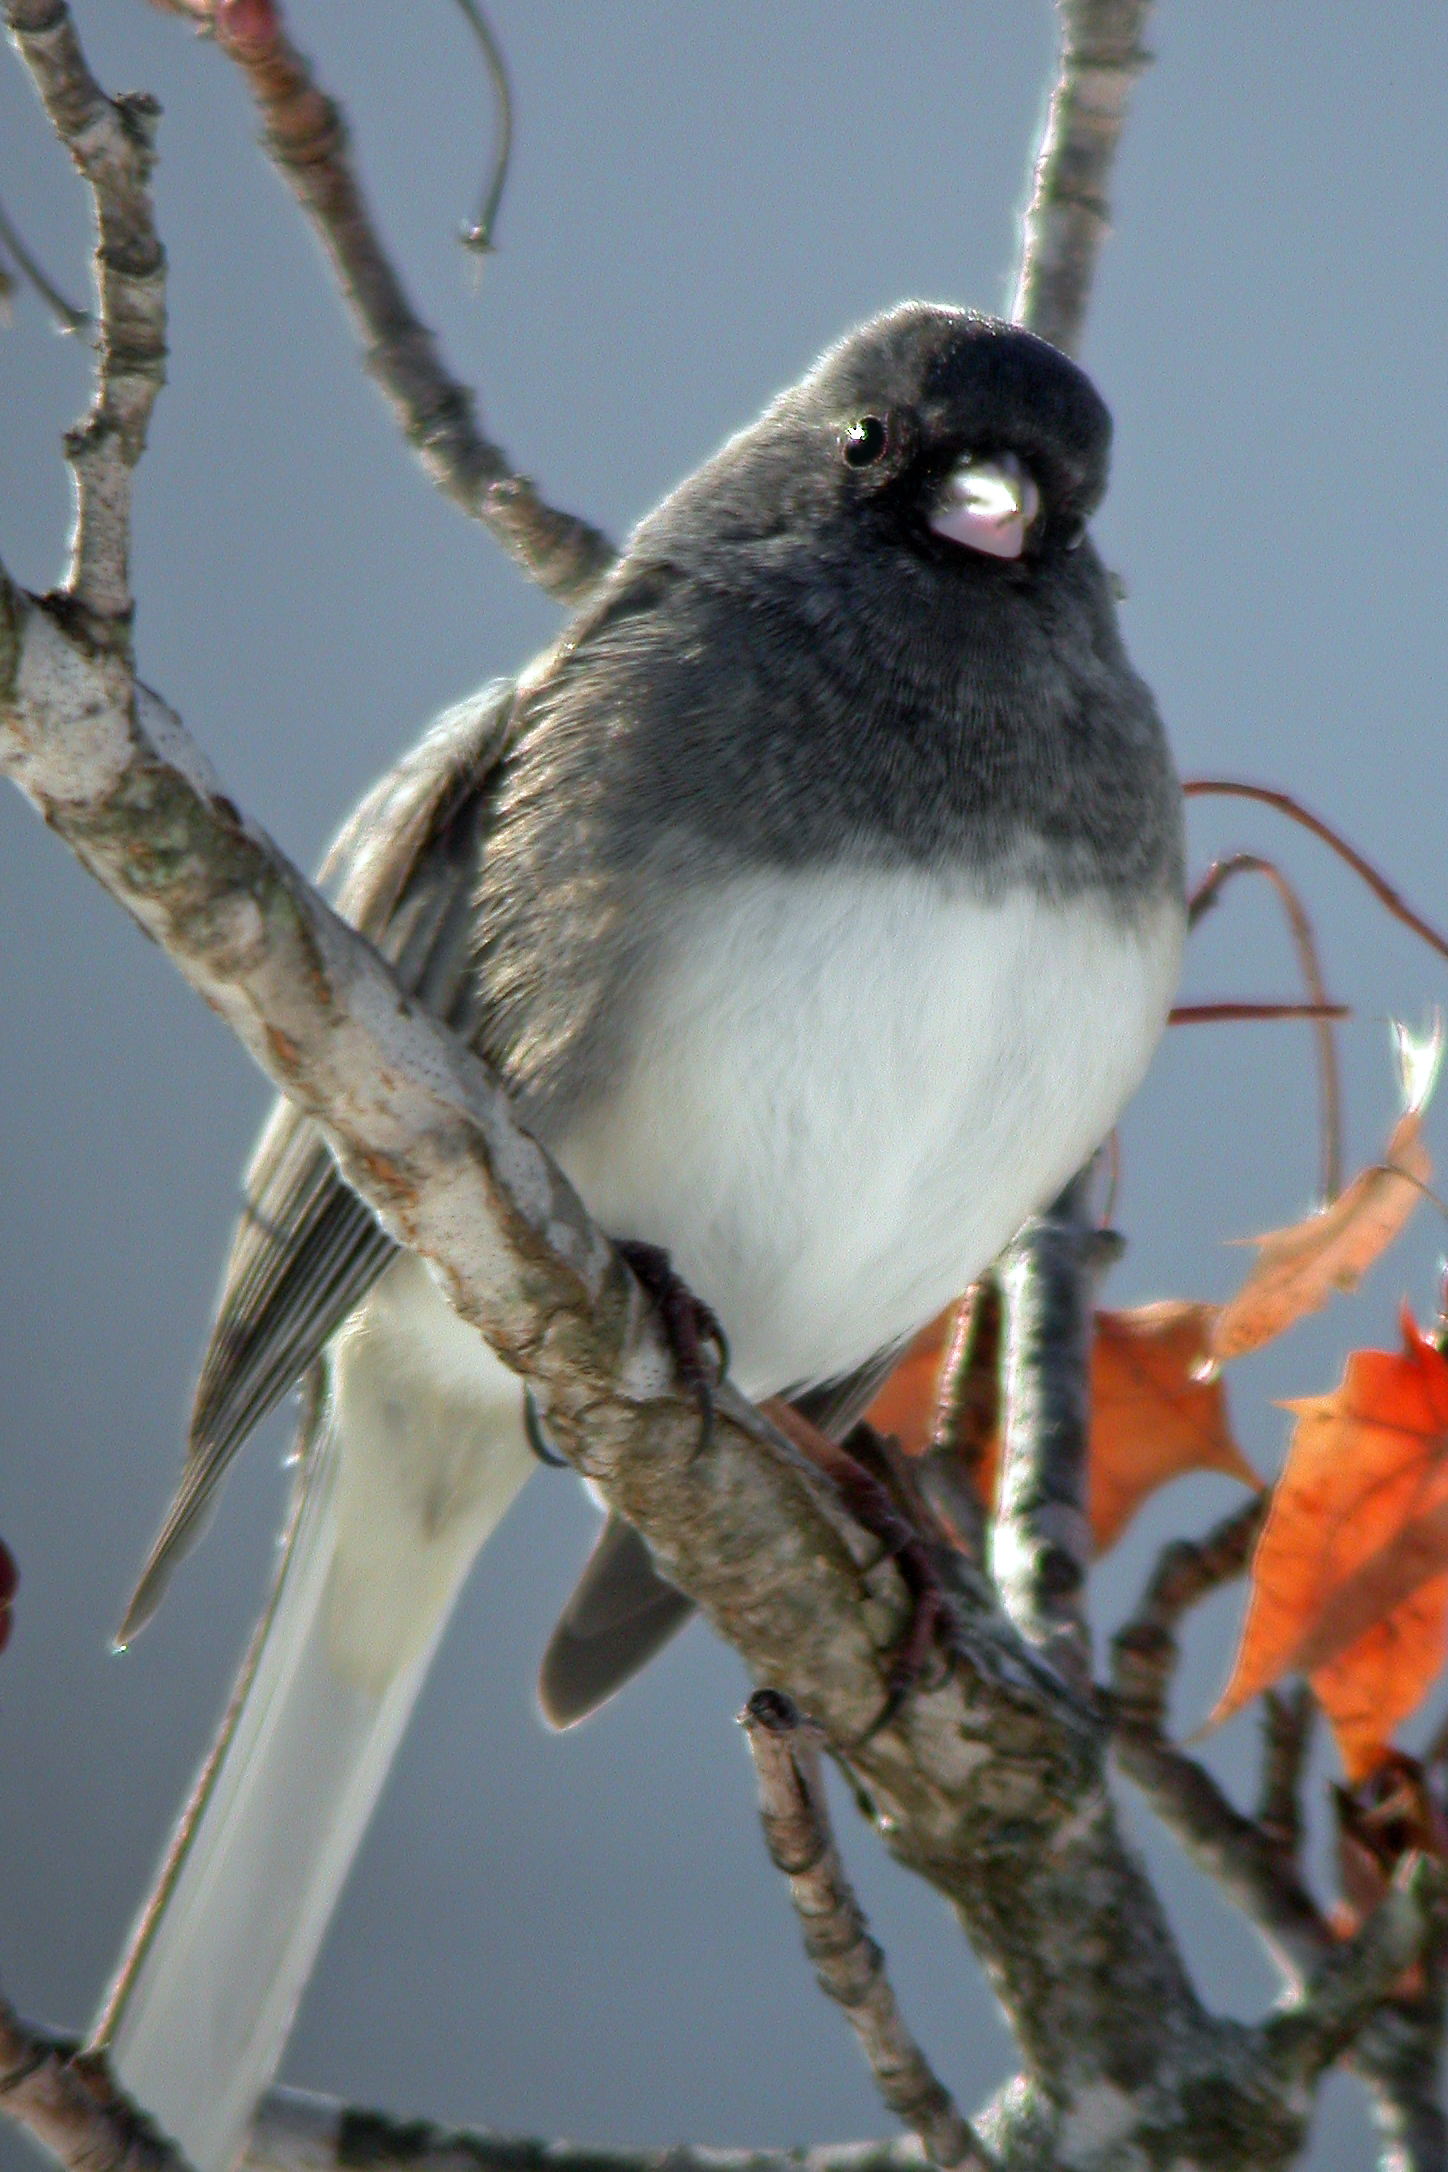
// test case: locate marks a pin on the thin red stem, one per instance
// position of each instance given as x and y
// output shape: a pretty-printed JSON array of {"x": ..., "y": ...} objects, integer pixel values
[
  {"x": 1382, "y": 889},
  {"x": 1211, "y": 1014},
  {"x": 1208, "y": 890}
]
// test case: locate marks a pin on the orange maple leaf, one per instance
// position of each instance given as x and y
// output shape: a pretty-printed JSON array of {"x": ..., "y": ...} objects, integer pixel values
[
  {"x": 1298, "y": 1268},
  {"x": 1156, "y": 1412},
  {"x": 1350, "y": 1576},
  {"x": 1154, "y": 1417},
  {"x": 905, "y": 1406}
]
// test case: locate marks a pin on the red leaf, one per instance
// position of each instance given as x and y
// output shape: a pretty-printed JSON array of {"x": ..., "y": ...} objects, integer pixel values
[
  {"x": 1154, "y": 1416},
  {"x": 1350, "y": 1577}
]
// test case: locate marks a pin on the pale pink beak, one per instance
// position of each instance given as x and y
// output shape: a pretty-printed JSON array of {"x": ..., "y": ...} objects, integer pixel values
[{"x": 988, "y": 505}]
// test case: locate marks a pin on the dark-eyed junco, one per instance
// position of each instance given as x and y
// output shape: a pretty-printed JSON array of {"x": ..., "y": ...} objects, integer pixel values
[{"x": 819, "y": 897}]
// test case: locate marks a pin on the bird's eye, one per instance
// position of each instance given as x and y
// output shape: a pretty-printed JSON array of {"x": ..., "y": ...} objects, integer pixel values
[{"x": 864, "y": 442}]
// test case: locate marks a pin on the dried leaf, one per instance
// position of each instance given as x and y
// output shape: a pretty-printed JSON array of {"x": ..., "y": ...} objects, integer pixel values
[
  {"x": 1154, "y": 1417},
  {"x": 905, "y": 1406},
  {"x": 1298, "y": 1269},
  {"x": 1350, "y": 1577}
]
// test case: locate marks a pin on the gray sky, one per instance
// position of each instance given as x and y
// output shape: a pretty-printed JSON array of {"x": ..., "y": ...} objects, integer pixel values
[{"x": 583, "y": 1937}]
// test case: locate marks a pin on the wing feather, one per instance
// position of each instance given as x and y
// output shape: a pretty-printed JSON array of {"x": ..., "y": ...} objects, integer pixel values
[{"x": 306, "y": 1250}]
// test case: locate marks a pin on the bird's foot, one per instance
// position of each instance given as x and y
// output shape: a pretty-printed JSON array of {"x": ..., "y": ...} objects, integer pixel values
[
  {"x": 858, "y": 1467},
  {"x": 691, "y": 1326}
]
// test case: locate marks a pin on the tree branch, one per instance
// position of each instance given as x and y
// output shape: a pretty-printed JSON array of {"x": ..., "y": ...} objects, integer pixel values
[
  {"x": 1041, "y": 1548},
  {"x": 1042, "y": 1543},
  {"x": 1399, "y": 2055},
  {"x": 295, "y": 2132},
  {"x": 1248, "y": 1861},
  {"x": 1350, "y": 1984},
  {"x": 1069, "y": 215},
  {"x": 65, "y": 2100},
  {"x": 305, "y": 135},
  {"x": 848, "y": 1963},
  {"x": 111, "y": 143}
]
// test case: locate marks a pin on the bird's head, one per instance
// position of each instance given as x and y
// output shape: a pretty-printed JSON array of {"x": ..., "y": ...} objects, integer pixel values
[{"x": 959, "y": 440}]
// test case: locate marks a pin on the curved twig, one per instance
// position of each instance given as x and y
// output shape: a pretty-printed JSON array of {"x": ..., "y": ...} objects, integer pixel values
[
  {"x": 1203, "y": 898},
  {"x": 64, "y": 315},
  {"x": 1285, "y": 803},
  {"x": 306, "y": 137},
  {"x": 479, "y": 236},
  {"x": 1345, "y": 1993}
]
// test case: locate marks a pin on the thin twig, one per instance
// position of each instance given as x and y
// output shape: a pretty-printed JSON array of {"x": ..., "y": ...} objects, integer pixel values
[
  {"x": 848, "y": 1963},
  {"x": 1245, "y": 1859},
  {"x": 1285, "y": 803},
  {"x": 1203, "y": 898},
  {"x": 65, "y": 316},
  {"x": 1287, "y": 1718},
  {"x": 1437, "y": 1750},
  {"x": 111, "y": 142},
  {"x": 479, "y": 236},
  {"x": 1216, "y": 1014},
  {"x": 306, "y": 136},
  {"x": 1069, "y": 215}
]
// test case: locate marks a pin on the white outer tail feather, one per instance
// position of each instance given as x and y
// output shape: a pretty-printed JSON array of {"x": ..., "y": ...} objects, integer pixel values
[{"x": 419, "y": 1411}]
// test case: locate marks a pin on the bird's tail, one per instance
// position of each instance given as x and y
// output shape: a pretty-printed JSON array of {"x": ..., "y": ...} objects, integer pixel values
[{"x": 196, "y": 2021}]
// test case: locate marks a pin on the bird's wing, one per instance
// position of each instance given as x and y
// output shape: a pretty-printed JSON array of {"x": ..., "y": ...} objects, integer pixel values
[
  {"x": 620, "y": 1613},
  {"x": 306, "y": 1250}
]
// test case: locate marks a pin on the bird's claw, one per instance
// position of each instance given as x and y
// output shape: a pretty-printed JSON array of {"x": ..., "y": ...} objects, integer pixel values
[
  {"x": 856, "y": 1467},
  {"x": 690, "y": 1325}
]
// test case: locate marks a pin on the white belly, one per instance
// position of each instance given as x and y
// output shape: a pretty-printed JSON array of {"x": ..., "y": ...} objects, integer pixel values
[{"x": 848, "y": 1093}]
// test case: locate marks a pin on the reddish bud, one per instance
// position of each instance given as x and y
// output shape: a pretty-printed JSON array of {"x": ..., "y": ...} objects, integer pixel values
[
  {"x": 9, "y": 1585},
  {"x": 254, "y": 24}
]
